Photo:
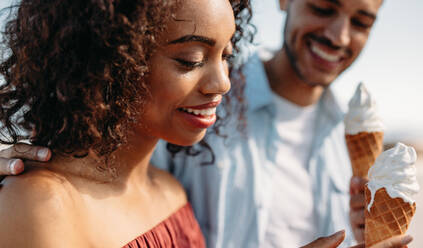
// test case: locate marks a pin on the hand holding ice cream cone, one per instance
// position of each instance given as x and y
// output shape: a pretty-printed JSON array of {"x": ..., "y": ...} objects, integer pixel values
[{"x": 390, "y": 194}]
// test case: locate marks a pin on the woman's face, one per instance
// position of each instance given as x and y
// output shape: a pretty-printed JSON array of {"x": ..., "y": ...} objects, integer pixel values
[{"x": 189, "y": 72}]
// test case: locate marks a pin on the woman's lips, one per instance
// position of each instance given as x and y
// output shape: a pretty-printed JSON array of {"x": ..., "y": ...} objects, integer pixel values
[
  {"x": 198, "y": 120},
  {"x": 200, "y": 116},
  {"x": 213, "y": 104},
  {"x": 202, "y": 112}
]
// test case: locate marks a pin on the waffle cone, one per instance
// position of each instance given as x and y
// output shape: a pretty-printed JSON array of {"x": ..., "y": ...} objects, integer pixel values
[
  {"x": 363, "y": 149},
  {"x": 388, "y": 217}
]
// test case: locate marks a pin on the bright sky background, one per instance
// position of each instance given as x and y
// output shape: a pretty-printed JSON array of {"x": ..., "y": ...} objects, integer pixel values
[{"x": 391, "y": 65}]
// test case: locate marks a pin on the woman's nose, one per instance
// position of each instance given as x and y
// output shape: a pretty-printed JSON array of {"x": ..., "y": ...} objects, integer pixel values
[{"x": 217, "y": 80}]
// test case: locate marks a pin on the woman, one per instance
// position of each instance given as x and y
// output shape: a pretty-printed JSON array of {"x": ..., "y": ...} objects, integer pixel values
[{"x": 100, "y": 82}]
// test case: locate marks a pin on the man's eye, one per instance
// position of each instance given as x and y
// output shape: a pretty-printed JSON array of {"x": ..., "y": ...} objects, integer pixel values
[
  {"x": 321, "y": 11},
  {"x": 189, "y": 64},
  {"x": 360, "y": 24}
]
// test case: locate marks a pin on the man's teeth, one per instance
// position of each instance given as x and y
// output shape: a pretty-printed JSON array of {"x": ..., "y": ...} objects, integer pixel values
[
  {"x": 209, "y": 111},
  {"x": 325, "y": 55}
]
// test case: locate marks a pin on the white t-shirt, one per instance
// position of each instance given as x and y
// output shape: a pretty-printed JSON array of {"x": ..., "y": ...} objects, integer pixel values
[{"x": 291, "y": 219}]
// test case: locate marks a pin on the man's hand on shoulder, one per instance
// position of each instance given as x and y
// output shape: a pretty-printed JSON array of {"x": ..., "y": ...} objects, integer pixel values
[{"x": 12, "y": 158}]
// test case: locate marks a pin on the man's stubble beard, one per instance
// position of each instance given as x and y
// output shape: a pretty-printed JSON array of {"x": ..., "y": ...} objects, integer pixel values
[{"x": 292, "y": 58}]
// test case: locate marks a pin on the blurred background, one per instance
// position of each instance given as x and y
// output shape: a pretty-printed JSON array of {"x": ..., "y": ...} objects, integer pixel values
[{"x": 391, "y": 66}]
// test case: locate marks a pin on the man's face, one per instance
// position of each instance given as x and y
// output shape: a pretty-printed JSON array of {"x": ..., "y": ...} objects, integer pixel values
[{"x": 323, "y": 37}]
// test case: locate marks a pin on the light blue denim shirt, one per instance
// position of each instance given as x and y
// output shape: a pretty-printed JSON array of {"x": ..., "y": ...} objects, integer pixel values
[{"x": 231, "y": 198}]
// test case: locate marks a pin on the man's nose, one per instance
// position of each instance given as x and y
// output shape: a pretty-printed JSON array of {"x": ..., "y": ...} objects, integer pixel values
[
  {"x": 338, "y": 31},
  {"x": 217, "y": 81}
]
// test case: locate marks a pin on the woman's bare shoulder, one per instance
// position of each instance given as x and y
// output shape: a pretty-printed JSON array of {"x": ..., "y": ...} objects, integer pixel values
[
  {"x": 170, "y": 186},
  {"x": 34, "y": 207},
  {"x": 36, "y": 186}
]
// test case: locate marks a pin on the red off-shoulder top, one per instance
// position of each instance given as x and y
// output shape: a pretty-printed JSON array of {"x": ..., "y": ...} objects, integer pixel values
[{"x": 180, "y": 230}]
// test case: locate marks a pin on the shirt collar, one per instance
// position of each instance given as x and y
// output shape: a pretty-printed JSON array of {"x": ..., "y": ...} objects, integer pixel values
[{"x": 257, "y": 89}]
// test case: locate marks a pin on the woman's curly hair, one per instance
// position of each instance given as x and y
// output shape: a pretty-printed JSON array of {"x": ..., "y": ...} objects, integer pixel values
[{"x": 74, "y": 71}]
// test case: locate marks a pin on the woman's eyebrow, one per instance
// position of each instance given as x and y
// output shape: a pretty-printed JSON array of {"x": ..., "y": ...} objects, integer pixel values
[{"x": 194, "y": 38}]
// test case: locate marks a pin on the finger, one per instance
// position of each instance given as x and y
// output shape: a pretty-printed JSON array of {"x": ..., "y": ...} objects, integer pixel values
[
  {"x": 357, "y": 185},
  {"x": 394, "y": 242},
  {"x": 11, "y": 166},
  {"x": 359, "y": 246},
  {"x": 25, "y": 151},
  {"x": 332, "y": 241},
  {"x": 357, "y": 217},
  {"x": 357, "y": 201},
  {"x": 359, "y": 233}
]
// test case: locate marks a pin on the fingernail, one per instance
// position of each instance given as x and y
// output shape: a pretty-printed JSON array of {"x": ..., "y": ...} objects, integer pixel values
[
  {"x": 13, "y": 166},
  {"x": 355, "y": 180},
  {"x": 42, "y": 153},
  {"x": 340, "y": 233},
  {"x": 407, "y": 239}
]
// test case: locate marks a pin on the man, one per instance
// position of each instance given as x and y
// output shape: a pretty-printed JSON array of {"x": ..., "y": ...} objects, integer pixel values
[{"x": 283, "y": 181}]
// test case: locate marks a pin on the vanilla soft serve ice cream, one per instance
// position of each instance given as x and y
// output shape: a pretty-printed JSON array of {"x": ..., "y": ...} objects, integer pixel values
[
  {"x": 395, "y": 171},
  {"x": 362, "y": 114}
]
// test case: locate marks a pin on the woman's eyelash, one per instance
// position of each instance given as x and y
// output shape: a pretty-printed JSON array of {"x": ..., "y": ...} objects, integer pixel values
[
  {"x": 190, "y": 64},
  {"x": 194, "y": 64},
  {"x": 228, "y": 57}
]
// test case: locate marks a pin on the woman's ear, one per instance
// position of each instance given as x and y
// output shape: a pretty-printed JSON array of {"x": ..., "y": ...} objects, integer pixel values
[{"x": 283, "y": 4}]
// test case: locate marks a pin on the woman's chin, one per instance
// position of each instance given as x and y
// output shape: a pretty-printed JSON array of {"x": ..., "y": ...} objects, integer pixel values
[{"x": 188, "y": 139}]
